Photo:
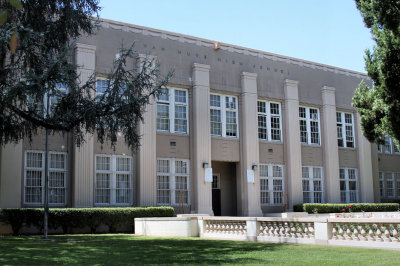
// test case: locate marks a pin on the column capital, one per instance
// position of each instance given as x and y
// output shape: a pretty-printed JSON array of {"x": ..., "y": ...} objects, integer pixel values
[
  {"x": 289, "y": 82},
  {"x": 328, "y": 89},
  {"x": 328, "y": 96},
  {"x": 200, "y": 67},
  {"x": 291, "y": 89},
  {"x": 248, "y": 75},
  {"x": 83, "y": 46}
]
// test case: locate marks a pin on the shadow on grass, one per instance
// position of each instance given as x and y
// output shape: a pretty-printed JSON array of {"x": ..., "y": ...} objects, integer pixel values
[{"x": 127, "y": 249}]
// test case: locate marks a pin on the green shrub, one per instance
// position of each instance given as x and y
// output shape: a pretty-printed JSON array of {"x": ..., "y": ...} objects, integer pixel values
[
  {"x": 338, "y": 208},
  {"x": 69, "y": 218}
]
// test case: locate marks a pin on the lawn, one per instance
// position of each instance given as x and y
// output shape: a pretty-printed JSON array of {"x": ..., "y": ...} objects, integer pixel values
[{"x": 130, "y": 249}]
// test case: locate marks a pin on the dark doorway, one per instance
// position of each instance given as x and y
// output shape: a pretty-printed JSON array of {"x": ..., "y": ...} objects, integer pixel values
[{"x": 216, "y": 195}]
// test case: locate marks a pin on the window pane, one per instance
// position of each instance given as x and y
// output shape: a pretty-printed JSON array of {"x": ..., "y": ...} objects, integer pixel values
[
  {"x": 275, "y": 128},
  {"x": 274, "y": 109},
  {"x": 262, "y": 127},
  {"x": 215, "y": 100},
  {"x": 164, "y": 96},
  {"x": 102, "y": 188},
  {"x": 103, "y": 163},
  {"x": 123, "y": 164},
  {"x": 34, "y": 159},
  {"x": 216, "y": 125},
  {"x": 276, "y": 171},
  {"x": 261, "y": 107},
  {"x": 163, "y": 166},
  {"x": 263, "y": 170},
  {"x": 122, "y": 188},
  {"x": 231, "y": 124},
  {"x": 180, "y": 96},
  {"x": 230, "y": 102},
  {"x": 181, "y": 167},
  {"x": 57, "y": 161},
  {"x": 180, "y": 119},
  {"x": 303, "y": 131},
  {"x": 101, "y": 86},
  {"x": 33, "y": 186},
  {"x": 163, "y": 117}
]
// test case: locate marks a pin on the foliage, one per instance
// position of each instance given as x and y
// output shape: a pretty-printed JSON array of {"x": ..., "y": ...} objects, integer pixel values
[
  {"x": 71, "y": 218},
  {"x": 338, "y": 208},
  {"x": 135, "y": 250},
  {"x": 40, "y": 86},
  {"x": 379, "y": 105}
]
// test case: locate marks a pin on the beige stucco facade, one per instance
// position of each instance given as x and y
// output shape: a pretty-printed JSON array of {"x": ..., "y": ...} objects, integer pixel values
[{"x": 258, "y": 166}]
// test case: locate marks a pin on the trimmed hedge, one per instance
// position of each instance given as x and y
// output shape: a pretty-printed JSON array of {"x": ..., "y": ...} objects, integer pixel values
[
  {"x": 355, "y": 207},
  {"x": 69, "y": 218}
]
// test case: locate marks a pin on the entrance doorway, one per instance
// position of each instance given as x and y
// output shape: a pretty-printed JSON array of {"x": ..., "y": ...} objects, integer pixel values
[
  {"x": 224, "y": 201},
  {"x": 216, "y": 195}
]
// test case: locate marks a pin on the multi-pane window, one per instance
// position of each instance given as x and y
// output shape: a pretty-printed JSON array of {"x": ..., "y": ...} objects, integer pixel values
[
  {"x": 381, "y": 185},
  {"x": 348, "y": 185},
  {"x": 389, "y": 185},
  {"x": 172, "y": 181},
  {"x": 34, "y": 177},
  {"x": 309, "y": 125},
  {"x": 269, "y": 121},
  {"x": 388, "y": 144},
  {"x": 172, "y": 111},
  {"x": 271, "y": 184},
  {"x": 113, "y": 182},
  {"x": 101, "y": 86},
  {"x": 223, "y": 115},
  {"x": 312, "y": 184},
  {"x": 345, "y": 129}
]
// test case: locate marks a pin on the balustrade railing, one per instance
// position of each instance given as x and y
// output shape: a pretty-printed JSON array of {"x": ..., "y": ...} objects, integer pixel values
[{"x": 287, "y": 229}]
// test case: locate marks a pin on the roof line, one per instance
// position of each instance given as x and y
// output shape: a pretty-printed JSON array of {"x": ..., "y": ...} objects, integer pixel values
[{"x": 107, "y": 23}]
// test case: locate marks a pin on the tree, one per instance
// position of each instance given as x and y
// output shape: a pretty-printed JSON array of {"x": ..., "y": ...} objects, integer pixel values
[
  {"x": 39, "y": 84},
  {"x": 379, "y": 105}
]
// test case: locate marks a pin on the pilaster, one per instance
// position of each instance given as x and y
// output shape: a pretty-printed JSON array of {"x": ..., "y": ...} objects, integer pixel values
[
  {"x": 249, "y": 146},
  {"x": 146, "y": 154},
  {"x": 83, "y": 157},
  {"x": 366, "y": 169},
  {"x": 11, "y": 175},
  {"x": 292, "y": 143},
  {"x": 201, "y": 139},
  {"x": 330, "y": 145}
]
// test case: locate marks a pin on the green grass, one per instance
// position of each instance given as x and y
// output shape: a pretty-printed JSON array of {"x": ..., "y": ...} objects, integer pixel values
[{"x": 128, "y": 249}]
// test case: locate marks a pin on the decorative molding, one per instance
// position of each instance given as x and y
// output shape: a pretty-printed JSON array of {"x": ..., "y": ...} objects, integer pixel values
[{"x": 106, "y": 23}]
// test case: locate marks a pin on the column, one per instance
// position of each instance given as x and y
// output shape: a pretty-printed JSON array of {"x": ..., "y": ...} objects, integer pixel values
[
  {"x": 83, "y": 157},
  {"x": 365, "y": 174},
  {"x": 146, "y": 154},
  {"x": 201, "y": 138},
  {"x": 292, "y": 143},
  {"x": 249, "y": 154},
  {"x": 11, "y": 175},
  {"x": 330, "y": 145}
]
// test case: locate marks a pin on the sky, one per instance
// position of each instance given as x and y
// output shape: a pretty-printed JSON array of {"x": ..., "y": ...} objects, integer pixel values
[{"x": 331, "y": 32}]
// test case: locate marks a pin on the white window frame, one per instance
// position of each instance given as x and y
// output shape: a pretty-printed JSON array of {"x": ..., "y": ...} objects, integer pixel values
[
  {"x": 382, "y": 186},
  {"x": 51, "y": 170},
  {"x": 346, "y": 178},
  {"x": 113, "y": 179},
  {"x": 271, "y": 192},
  {"x": 102, "y": 79},
  {"x": 388, "y": 145},
  {"x": 223, "y": 109},
  {"x": 308, "y": 125},
  {"x": 310, "y": 179},
  {"x": 342, "y": 124},
  {"x": 172, "y": 181},
  {"x": 389, "y": 177},
  {"x": 171, "y": 110},
  {"x": 268, "y": 117}
]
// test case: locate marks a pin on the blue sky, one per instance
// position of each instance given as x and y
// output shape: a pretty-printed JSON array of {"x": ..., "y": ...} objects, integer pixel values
[{"x": 326, "y": 31}]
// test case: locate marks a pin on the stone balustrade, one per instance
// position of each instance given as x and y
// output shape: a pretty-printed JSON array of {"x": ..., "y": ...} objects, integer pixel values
[{"x": 356, "y": 232}]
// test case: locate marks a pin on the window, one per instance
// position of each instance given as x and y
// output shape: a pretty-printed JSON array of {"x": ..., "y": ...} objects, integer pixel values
[
  {"x": 223, "y": 116},
  {"x": 269, "y": 121},
  {"x": 101, "y": 86},
  {"x": 396, "y": 148},
  {"x": 309, "y": 125},
  {"x": 388, "y": 144},
  {"x": 271, "y": 184},
  {"x": 389, "y": 185},
  {"x": 216, "y": 182},
  {"x": 172, "y": 111},
  {"x": 345, "y": 129},
  {"x": 172, "y": 181},
  {"x": 34, "y": 177},
  {"x": 381, "y": 185},
  {"x": 348, "y": 185},
  {"x": 113, "y": 182},
  {"x": 312, "y": 184},
  {"x": 397, "y": 175}
]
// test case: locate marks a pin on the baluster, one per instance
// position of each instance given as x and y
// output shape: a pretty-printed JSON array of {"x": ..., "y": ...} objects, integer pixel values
[
  {"x": 293, "y": 229},
  {"x": 311, "y": 229},
  {"x": 334, "y": 233},
  {"x": 287, "y": 230},
  {"x": 276, "y": 229},
  {"x": 355, "y": 233},
  {"x": 395, "y": 234},
  {"x": 300, "y": 231},
  {"x": 378, "y": 234},
  {"x": 387, "y": 233},
  {"x": 371, "y": 234},
  {"x": 363, "y": 233},
  {"x": 281, "y": 230},
  {"x": 271, "y": 229},
  {"x": 306, "y": 232},
  {"x": 244, "y": 227},
  {"x": 341, "y": 232}
]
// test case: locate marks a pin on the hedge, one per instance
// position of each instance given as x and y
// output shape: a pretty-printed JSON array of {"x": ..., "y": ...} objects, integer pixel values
[
  {"x": 338, "y": 208},
  {"x": 69, "y": 218}
]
